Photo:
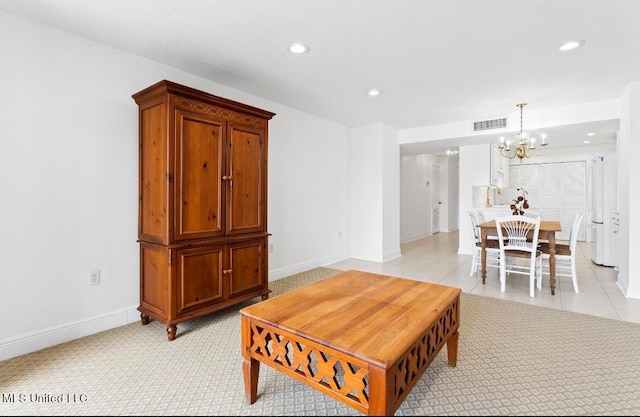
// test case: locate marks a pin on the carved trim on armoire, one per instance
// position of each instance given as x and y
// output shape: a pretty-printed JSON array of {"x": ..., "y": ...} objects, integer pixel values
[{"x": 199, "y": 107}]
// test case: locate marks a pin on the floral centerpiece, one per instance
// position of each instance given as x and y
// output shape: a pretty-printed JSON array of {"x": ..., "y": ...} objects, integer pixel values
[{"x": 520, "y": 203}]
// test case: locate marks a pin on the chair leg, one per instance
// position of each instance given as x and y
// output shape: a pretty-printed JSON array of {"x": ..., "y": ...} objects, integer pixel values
[
  {"x": 474, "y": 263},
  {"x": 574, "y": 276},
  {"x": 532, "y": 279},
  {"x": 539, "y": 273},
  {"x": 503, "y": 279}
]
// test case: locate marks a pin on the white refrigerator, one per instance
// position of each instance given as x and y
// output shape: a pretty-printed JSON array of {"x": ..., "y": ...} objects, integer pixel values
[{"x": 603, "y": 202}]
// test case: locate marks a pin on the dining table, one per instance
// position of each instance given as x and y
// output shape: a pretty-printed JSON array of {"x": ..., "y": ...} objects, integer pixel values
[{"x": 547, "y": 232}]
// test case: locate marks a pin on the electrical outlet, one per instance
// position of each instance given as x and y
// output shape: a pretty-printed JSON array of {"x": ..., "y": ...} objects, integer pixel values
[
  {"x": 270, "y": 248},
  {"x": 94, "y": 277}
]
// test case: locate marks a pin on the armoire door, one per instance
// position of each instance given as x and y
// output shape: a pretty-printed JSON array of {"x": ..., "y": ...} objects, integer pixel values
[
  {"x": 246, "y": 188},
  {"x": 198, "y": 280},
  {"x": 248, "y": 267},
  {"x": 198, "y": 176}
]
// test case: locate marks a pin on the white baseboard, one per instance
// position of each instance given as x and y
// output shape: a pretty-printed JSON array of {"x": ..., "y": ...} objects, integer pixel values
[
  {"x": 408, "y": 239},
  {"x": 623, "y": 284},
  {"x": 276, "y": 274},
  {"x": 32, "y": 342},
  {"x": 391, "y": 255}
]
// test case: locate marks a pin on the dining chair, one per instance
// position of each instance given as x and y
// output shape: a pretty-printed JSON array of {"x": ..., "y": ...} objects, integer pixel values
[
  {"x": 479, "y": 216},
  {"x": 493, "y": 251},
  {"x": 565, "y": 254},
  {"x": 518, "y": 239}
]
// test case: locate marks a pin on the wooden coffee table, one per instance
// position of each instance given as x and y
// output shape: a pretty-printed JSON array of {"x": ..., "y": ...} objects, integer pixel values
[{"x": 361, "y": 338}]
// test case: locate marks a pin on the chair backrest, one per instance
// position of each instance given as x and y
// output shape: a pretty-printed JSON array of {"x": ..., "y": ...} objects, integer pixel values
[
  {"x": 473, "y": 218},
  {"x": 573, "y": 234},
  {"x": 518, "y": 232}
]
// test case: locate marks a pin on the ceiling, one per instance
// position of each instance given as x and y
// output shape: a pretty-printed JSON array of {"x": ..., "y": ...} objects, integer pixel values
[{"x": 435, "y": 62}]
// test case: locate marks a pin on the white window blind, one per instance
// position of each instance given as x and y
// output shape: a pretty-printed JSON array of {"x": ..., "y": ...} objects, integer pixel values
[{"x": 558, "y": 190}]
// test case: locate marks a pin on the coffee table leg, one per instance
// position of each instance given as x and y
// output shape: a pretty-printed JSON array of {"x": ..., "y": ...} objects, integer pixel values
[
  {"x": 452, "y": 349},
  {"x": 250, "y": 366},
  {"x": 250, "y": 372},
  {"x": 380, "y": 392}
]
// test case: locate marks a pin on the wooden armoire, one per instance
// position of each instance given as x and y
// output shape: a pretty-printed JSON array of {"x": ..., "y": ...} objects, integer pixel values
[{"x": 202, "y": 210}]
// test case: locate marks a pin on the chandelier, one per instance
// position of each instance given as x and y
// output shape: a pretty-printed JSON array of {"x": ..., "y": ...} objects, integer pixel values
[{"x": 526, "y": 146}]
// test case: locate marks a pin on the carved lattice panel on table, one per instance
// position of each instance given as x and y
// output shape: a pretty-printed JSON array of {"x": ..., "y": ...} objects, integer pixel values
[
  {"x": 321, "y": 367},
  {"x": 419, "y": 357}
]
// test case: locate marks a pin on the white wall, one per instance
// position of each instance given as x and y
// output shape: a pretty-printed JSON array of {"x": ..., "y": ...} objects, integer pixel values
[
  {"x": 453, "y": 183},
  {"x": 466, "y": 157},
  {"x": 365, "y": 179},
  {"x": 390, "y": 194},
  {"x": 308, "y": 193},
  {"x": 374, "y": 178},
  {"x": 536, "y": 119},
  {"x": 628, "y": 198},
  {"x": 68, "y": 163}
]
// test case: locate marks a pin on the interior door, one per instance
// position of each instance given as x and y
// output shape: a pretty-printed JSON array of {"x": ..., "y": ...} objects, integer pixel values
[{"x": 436, "y": 202}]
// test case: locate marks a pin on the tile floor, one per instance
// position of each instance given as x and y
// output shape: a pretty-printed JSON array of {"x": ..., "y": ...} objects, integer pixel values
[{"x": 435, "y": 259}]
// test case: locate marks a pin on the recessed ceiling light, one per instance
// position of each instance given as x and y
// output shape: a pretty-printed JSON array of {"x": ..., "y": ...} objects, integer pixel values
[
  {"x": 567, "y": 46},
  {"x": 374, "y": 92},
  {"x": 586, "y": 142},
  {"x": 590, "y": 134},
  {"x": 298, "y": 48}
]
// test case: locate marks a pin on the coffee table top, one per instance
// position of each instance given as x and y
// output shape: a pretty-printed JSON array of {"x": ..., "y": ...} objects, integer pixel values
[{"x": 370, "y": 316}]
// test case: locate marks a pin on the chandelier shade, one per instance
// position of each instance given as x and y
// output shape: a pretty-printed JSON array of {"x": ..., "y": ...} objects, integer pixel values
[{"x": 525, "y": 146}]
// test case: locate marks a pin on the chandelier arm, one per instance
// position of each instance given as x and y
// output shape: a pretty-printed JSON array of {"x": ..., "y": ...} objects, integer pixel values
[{"x": 524, "y": 148}]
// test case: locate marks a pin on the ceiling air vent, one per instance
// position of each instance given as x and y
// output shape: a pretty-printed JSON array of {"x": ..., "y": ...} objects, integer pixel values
[{"x": 490, "y": 124}]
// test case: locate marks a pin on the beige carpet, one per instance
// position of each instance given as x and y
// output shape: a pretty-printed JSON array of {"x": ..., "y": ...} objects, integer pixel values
[{"x": 513, "y": 359}]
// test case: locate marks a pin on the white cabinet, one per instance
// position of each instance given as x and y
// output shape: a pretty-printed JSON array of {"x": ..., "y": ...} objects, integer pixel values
[
  {"x": 499, "y": 168},
  {"x": 489, "y": 166},
  {"x": 615, "y": 222}
]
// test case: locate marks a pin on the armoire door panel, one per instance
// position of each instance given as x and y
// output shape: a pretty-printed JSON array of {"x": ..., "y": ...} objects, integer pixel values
[
  {"x": 248, "y": 267},
  {"x": 245, "y": 202},
  {"x": 154, "y": 272},
  {"x": 200, "y": 165},
  {"x": 199, "y": 278},
  {"x": 153, "y": 215}
]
